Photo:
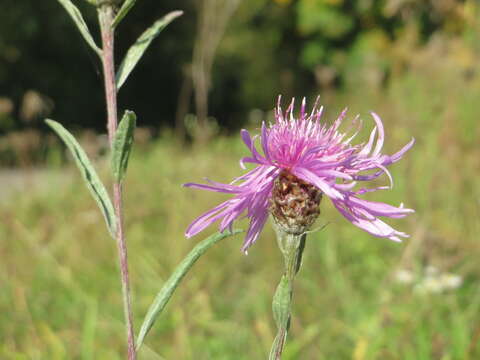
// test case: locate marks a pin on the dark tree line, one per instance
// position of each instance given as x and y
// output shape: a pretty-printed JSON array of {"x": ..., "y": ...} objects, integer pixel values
[{"x": 267, "y": 47}]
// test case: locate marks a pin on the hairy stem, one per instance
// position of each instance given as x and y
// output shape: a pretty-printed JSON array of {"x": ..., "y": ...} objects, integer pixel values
[
  {"x": 292, "y": 247},
  {"x": 106, "y": 15}
]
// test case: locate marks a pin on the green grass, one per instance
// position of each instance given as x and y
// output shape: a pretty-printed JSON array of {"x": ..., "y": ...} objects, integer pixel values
[{"x": 60, "y": 290}]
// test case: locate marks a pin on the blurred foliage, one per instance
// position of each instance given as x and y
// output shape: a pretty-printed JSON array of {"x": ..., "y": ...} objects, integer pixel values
[
  {"x": 60, "y": 295},
  {"x": 292, "y": 47}
]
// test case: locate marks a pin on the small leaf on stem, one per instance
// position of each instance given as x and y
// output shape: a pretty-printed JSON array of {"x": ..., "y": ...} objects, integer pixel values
[
  {"x": 94, "y": 184},
  {"x": 282, "y": 301},
  {"x": 171, "y": 284},
  {"x": 122, "y": 145},
  {"x": 124, "y": 10},
  {"x": 77, "y": 17},
  {"x": 137, "y": 50}
]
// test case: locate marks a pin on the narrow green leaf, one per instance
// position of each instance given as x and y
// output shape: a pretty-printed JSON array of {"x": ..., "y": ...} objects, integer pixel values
[
  {"x": 122, "y": 145},
  {"x": 94, "y": 184},
  {"x": 281, "y": 313},
  {"x": 77, "y": 17},
  {"x": 137, "y": 50},
  {"x": 281, "y": 302},
  {"x": 169, "y": 287},
  {"x": 126, "y": 7}
]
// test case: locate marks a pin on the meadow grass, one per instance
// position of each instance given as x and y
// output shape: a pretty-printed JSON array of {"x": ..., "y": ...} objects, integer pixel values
[{"x": 60, "y": 292}]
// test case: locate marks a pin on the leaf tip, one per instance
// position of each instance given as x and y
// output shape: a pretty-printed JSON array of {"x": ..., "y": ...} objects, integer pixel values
[
  {"x": 173, "y": 15},
  {"x": 177, "y": 13}
]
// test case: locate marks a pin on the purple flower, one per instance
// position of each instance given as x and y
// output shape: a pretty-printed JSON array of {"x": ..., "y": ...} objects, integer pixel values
[{"x": 314, "y": 153}]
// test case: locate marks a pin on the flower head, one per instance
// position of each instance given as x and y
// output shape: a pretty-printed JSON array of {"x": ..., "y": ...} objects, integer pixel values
[{"x": 302, "y": 159}]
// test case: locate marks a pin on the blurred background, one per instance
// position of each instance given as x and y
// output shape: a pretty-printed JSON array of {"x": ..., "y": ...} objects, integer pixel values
[{"x": 218, "y": 68}]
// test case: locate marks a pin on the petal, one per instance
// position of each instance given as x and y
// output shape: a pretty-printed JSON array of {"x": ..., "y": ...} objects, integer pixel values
[
  {"x": 358, "y": 122},
  {"x": 368, "y": 177},
  {"x": 398, "y": 155},
  {"x": 248, "y": 160},
  {"x": 334, "y": 174},
  {"x": 246, "y": 138},
  {"x": 381, "y": 134},
  {"x": 264, "y": 141},
  {"x": 218, "y": 187},
  {"x": 379, "y": 208},
  {"x": 368, "y": 147},
  {"x": 364, "y": 191},
  {"x": 206, "y": 219},
  {"x": 250, "y": 143},
  {"x": 233, "y": 213},
  {"x": 311, "y": 152},
  {"x": 345, "y": 187},
  {"x": 312, "y": 178},
  {"x": 337, "y": 123},
  {"x": 256, "y": 226},
  {"x": 373, "y": 226},
  {"x": 385, "y": 170},
  {"x": 302, "y": 108}
]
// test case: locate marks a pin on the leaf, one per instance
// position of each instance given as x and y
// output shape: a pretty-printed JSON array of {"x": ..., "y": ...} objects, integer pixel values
[
  {"x": 122, "y": 145},
  {"x": 137, "y": 50},
  {"x": 171, "y": 284},
  {"x": 127, "y": 5},
  {"x": 94, "y": 184},
  {"x": 77, "y": 17},
  {"x": 282, "y": 301},
  {"x": 281, "y": 313}
]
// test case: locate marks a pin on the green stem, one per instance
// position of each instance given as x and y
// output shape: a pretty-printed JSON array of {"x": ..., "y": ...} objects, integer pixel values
[{"x": 292, "y": 247}]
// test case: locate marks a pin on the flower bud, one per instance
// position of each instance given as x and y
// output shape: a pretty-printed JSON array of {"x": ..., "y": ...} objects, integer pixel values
[{"x": 294, "y": 204}]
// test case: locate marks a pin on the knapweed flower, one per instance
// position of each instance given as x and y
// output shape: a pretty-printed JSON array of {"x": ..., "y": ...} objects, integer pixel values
[{"x": 303, "y": 159}]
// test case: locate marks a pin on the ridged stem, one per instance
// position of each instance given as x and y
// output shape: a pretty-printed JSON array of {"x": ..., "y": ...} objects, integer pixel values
[
  {"x": 292, "y": 247},
  {"x": 106, "y": 16}
]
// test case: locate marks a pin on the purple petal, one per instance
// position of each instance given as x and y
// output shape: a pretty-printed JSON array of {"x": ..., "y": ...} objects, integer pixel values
[
  {"x": 246, "y": 138},
  {"x": 374, "y": 226},
  {"x": 265, "y": 142},
  {"x": 368, "y": 147},
  {"x": 256, "y": 226},
  {"x": 381, "y": 134},
  {"x": 364, "y": 191},
  {"x": 333, "y": 174},
  {"x": 310, "y": 177},
  {"x": 248, "y": 160},
  {"x": 302, "y": 109},
  {"x": 379, "y": 208},
  {"x": 345, "y": 187},
  {"x": 398, "y": 155},
  {"x": 205, "y": 220},
  {"x": 224, "y": 188}
]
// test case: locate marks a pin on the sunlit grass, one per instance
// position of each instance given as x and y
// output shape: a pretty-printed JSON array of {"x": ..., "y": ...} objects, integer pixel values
[{"x": 60, "y": 292}]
